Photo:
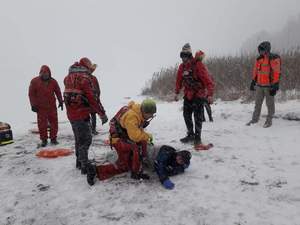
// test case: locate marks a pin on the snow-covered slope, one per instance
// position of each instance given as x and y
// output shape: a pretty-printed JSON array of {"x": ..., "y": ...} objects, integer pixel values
[{"x": 251, "y": 176}]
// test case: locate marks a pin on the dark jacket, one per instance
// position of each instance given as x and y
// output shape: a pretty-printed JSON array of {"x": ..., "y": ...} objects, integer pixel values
[{"x": 165, "y": 164}]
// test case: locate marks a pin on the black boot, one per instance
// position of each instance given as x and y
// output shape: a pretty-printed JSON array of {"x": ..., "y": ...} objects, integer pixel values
[
  {"x": 197, "y": 140},
  {"x": 78, "y": 164},
  {"x": 54, "y": 141},
  {"x": 268, "y": 123},
  {"x": 91, "y": 174},
  {"x": 189, "y": 138},
  {"x": 144, "y": 176},
  {"x": 138, "y": 176},
  {"x": 43, "y": 143},
  {"x": 251, "y": 122}
]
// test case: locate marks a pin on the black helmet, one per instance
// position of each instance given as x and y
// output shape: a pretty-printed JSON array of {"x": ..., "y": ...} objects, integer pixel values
[
  {"x": 186, "y": 156},
  {"x": 264, "y": 46}
]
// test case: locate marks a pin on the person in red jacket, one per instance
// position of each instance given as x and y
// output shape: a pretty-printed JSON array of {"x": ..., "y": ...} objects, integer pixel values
[
  {"x": 198, "y": 88},
  {"x": 42, "y": 91},
  {"x": 80, "y": 101},
  {"x": 265, "y": 82},
  {"x": 96, "y": 90}
]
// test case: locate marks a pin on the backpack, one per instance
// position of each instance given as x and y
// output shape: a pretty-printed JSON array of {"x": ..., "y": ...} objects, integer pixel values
[
  {"x": 72, "y": 95},
  {"x": 189, "y": 78},
  {"x": 115, "y": 128}
]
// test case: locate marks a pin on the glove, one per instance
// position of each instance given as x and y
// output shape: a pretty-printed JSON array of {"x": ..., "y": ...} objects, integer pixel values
[
  {"x": 34, "y": 109},
  {"x": 176, "y": 98},
  {"x": 272, "y": 92},
  {"x": 104, "y": 119},
  {"x": 274, "y": 89},
  {"x": 275, "y": 86},
  {"x": 210, "y": 100},
  {"x": 168, "y": 184},
  {"x": 252, "y": 85},
  {"x": 150, "y": 140},
  {"x": 61, "y": 106}
]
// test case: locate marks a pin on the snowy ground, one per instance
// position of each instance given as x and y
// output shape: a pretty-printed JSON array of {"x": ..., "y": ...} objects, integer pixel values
[{"x": 251, "y": 176}]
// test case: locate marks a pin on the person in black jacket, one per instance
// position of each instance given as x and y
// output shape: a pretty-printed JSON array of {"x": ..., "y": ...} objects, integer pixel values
[{"x": 168, "y": 162}]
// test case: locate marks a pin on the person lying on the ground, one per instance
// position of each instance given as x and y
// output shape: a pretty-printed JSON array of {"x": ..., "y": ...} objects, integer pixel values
[{"x": 164, "y": 160}]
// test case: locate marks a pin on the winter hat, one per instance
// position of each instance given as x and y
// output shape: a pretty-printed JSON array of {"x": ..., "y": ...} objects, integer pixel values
[
  {"x": 86, "y": 62},
  {"x": 199, "y": 55},
  {"x": 45, "y": 69},
  {"x": 148, "y": 106},
  {"x": 186, "y": 50},
  {"x": 264, "y": 46},
  {"x": 186, "y": 156}
]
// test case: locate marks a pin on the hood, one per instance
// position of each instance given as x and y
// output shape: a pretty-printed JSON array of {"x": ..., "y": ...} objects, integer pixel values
[
  {"x": 135, "y": 107},
  {"x": 45, "y": 69},
  {"x": 77, "y": 68},
  {"x": 266, "y": 45}
]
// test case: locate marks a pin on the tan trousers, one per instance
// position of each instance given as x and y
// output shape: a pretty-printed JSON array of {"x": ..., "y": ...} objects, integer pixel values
[{"x": 260, "y": 94}]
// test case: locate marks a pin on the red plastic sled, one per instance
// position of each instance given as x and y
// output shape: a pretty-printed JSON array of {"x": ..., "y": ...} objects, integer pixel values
[
  {"x": 203, "y": 147},
  {"x": 53, "y": 153}
]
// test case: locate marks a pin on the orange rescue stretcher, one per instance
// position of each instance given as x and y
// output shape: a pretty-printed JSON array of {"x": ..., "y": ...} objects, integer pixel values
[{"x": 54, "y": 153}]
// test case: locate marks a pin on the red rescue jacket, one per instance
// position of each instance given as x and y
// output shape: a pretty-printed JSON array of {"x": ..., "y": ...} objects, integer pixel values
[
  {"x": 96, "y": 89},
  {"x": 79, "y": 96},
  {"x": 96, "y": 86},
  {"x": 195, "y": 79},
  {"x": 42, "y": 93}
]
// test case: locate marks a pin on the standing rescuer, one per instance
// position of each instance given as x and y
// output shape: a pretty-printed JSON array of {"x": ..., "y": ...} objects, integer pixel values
[
  {"x": 80, "y": 100},
  {"x": 198, "y": 89},
  {"x": 42, "y": 91},
  {"x": 129, "y": 139},
  {"x": 265, "y": 82}
]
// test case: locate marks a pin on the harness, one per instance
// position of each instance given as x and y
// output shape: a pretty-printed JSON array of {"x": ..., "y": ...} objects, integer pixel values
[
  {"x": 72, "y": 95},
  {"x": 115, "y": 128},
  {"x": 189, "y": 78},
  {"x": 117, "y": 131}
]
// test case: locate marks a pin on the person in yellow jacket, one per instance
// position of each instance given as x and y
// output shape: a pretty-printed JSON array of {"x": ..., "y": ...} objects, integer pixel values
[{"x": 129, "y": 139}]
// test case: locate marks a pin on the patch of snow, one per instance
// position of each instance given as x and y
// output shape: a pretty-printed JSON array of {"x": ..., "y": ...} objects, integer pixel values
[{"x": 250, "y": 176}]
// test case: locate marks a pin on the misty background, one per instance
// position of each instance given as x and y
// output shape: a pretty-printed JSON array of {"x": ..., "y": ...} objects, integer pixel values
[{"x": 129, "y": 40}]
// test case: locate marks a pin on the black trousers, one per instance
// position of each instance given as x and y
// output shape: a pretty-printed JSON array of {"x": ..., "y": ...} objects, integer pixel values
[
  {"x": 190, "y": 107},
  {"x": 83, "y": 139}
]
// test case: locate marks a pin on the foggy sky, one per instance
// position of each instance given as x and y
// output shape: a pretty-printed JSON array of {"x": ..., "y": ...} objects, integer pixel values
[{"x": 129, "y": 40}]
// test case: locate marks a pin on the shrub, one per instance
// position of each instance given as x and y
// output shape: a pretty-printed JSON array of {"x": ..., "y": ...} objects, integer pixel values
[{"x": 232, "y": 76}]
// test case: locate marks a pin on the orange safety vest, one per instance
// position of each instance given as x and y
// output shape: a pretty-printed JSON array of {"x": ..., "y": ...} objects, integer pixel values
[{"x": 267, "y": 70}]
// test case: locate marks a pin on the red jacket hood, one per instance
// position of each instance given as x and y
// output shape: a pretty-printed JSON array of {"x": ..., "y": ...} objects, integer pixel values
[{"x": 45, "y": 69}]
